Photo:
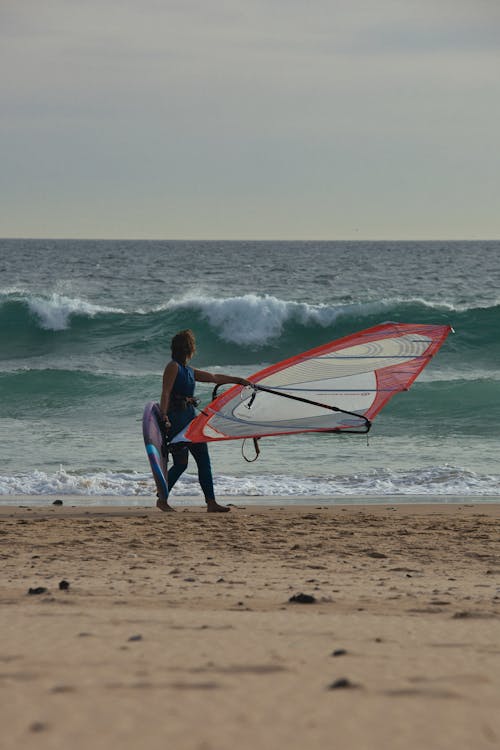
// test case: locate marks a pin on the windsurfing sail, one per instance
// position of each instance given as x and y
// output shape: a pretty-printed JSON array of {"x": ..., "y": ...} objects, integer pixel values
[{"x": 337, "y": 387}]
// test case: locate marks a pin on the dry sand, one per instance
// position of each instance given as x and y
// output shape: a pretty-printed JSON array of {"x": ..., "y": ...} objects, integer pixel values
[{"x": 176, "y": 630}]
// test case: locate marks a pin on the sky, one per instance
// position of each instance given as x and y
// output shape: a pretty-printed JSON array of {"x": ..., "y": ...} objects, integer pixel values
[{"x": 250, "y": 119}]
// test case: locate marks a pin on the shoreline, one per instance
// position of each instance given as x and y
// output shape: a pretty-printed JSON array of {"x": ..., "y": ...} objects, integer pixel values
[{"x": 182, "y": 502}]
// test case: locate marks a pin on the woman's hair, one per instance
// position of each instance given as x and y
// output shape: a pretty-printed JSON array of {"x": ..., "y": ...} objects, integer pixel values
[{"x": 183, "y": 345}]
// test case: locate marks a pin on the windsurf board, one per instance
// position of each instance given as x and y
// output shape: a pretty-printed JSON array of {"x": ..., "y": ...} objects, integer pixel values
[{"x": 153, "y": 442}]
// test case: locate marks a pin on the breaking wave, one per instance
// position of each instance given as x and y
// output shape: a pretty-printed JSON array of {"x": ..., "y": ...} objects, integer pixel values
[{"x": 224, "y": 325}]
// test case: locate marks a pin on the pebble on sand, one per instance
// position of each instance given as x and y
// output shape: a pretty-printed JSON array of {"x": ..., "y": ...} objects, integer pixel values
[
  {"x": 302, "y": 599},
  {"x": 38, "y": 726},
  {"x": 342, "y": 682}
]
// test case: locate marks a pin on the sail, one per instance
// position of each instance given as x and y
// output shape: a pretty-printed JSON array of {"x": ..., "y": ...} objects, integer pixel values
[{"x": 337, "y": 387}]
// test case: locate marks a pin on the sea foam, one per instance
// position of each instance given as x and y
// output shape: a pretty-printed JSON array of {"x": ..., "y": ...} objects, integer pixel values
[
  {"x": 439, "y": 481},
  {"x": 54, "y": 312},
  {"x": 253, "y": 319},
  {"x": 256, "y": 319}
]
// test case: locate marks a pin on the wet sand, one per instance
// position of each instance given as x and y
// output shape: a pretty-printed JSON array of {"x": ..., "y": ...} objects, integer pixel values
[{"x": 188, "y": 631}]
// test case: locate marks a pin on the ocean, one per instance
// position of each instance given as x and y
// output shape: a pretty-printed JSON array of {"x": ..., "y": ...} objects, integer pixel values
[{"x": 85, "y": 330}]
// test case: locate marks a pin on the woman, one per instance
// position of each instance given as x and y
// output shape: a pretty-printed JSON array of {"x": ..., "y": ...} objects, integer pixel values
[{"x": 177, "y": 410}]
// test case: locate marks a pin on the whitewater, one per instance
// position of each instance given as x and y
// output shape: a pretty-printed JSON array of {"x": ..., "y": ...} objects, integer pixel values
[{"x": 84, "y": 336}]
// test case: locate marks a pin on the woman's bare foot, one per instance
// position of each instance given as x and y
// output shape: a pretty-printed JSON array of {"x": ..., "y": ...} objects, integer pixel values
[
  {"x": 214, "y": 507},
  {"x": 163, "y": 505}
]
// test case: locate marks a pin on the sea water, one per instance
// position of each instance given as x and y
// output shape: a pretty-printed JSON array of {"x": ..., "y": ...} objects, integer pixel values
[{"x": 85, "y": 329}]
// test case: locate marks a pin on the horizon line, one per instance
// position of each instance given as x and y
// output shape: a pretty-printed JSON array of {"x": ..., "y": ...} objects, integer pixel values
[{"x": 247, "y": 239}]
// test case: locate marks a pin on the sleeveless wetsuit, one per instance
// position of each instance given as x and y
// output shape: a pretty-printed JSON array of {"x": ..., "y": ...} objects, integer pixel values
[{"x": 180, "y": 414}]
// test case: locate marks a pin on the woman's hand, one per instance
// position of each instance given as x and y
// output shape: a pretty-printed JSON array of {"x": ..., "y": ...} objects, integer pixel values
[
  {"x": 243, "y": 381},
  {"x": 219, "y": 378}
]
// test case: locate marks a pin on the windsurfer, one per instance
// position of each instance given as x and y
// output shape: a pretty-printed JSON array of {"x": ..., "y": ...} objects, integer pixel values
[{"x": 177, "y": 407}]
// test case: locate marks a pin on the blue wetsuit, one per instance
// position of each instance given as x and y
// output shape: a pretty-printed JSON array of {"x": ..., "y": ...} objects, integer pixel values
[{"x": 180, "y": 415}]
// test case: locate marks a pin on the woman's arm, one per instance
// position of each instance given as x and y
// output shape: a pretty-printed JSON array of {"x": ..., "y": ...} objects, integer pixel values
[
  {"x": 207, "y": 377},
  {"x": 169, "y": 375}
]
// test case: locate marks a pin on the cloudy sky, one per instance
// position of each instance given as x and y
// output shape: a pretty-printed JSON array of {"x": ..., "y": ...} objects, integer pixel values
[{"x": 250, "y": 119}]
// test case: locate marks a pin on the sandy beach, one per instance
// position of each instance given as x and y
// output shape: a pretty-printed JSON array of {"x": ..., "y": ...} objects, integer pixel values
[{"x": 190, "y": 631}]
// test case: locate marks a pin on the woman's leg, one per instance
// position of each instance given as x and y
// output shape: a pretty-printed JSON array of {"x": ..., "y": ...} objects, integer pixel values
[
  {"x": 180, "y": 458},
  {"x": 202, "y": 458}
]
